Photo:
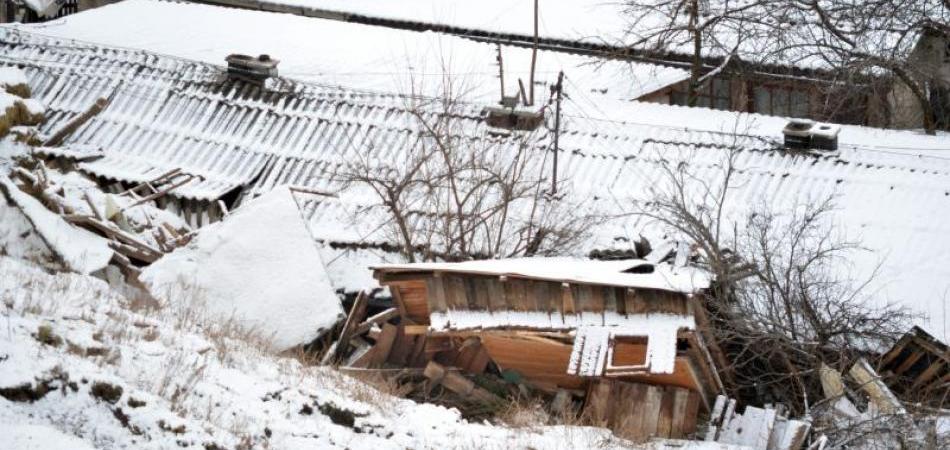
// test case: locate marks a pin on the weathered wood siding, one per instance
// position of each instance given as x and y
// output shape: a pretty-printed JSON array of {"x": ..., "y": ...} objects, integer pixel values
[
  {"x": 483, "y": 293},
  {"x": 640, "y": 411},
  {"x": 411, "y": 296}
]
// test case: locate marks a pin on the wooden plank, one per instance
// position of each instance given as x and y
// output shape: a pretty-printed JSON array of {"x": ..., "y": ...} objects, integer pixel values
[
  {"x": 597, "y": 298},
  {"x": 459, "y": 384},
  {"x": 537, "y": 360},
  {"x": 896, "y": 350},
  {"x": 384, "y": 345},
  {"x": 880, "y": 394},
  {"x": 541, "y": 300},
  {"x": 471, "y": 296},
  {"x": 610, "y": 298},
  {"x": 664, "y": 425},
  {"x": 650, "y": 410},
  {"x": 928, "y": 374},
  {"x": 583, "y": 295},
  {"x": 467, "y": 352},
  {"x": 567, "y": 299},
  {"x": 620, "y": 300},
  {"x": 376, "y": 319},
  {"x": 357, "y": 312},
  {"x": 361, "y": 357},
  {"x": 415, "y": 329},
  {"x": 401, "y": 348},
  {"x": 700, "y": 371},
  {"x": 788, "y": 434},
  {"x": 910, "y": 361},
  {"x": 482, "y": 288},
  {"x": 455, "y": 297},
  {"x": 680, "y": 409},
  {"x": 597, "y": 407},
  {"x": 634, "y": 302},
  {"x": 533, "y": 295},
  {"x": 497, "y": 300},
  {"x": 516, "y": 295},
  {"x": 715, "y": 418},
  {"x": 437, "y": 344},
  {"x": 831, "y": 383},
  {"x": 417, "y": 358},
  {"x": 436, "y": 297},
  {"x": 753, "y": 428},
  {"x": 413, "y": 299},
  {"x": 692, "y": 413},
  {"x": 480, "y": 362}
]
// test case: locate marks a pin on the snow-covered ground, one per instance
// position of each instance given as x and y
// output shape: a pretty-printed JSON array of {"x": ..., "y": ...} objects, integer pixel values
[{"x": 82, "y": 366}]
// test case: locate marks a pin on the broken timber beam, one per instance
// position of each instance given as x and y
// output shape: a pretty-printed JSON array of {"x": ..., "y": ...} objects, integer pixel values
[
  {"x": 377, "y": 319},
  {"x": 74, "y": 124},
  {"x": 871, "y": 383},
  {"x": 352, "y": 320},
  {"x": 438, "y": 374}
]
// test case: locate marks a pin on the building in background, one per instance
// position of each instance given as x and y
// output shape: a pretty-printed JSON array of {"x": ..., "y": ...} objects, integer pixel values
[{"x": 33, "y": 11}]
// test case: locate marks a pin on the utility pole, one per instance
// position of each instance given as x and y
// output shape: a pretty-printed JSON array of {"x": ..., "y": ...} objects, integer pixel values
[
  {"x": 534, "y": 55},
  {"x": 557, "y": 127},
  {"x": 501, "y": 72}
]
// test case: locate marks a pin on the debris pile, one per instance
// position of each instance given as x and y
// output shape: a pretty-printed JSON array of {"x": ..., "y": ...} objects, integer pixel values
[
  {"x": 863, "y": 410},
  {"x": 67, "y": 207}
]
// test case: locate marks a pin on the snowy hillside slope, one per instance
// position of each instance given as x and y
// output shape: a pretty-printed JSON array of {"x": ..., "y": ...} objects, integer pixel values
[{"x": 84, "y": 367}]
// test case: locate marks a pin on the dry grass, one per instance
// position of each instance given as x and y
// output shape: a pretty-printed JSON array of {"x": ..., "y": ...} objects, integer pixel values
[
  {"x": 373, "y": 387},
  {"x": 524, "y": 412},
  {"x": 182, "y": 371},
  {"x": 186, "y": 308}
]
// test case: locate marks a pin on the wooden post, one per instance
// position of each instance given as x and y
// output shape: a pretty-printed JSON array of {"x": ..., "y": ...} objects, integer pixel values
[
  {"x": 501, "y": 72},
  {"x": 557, "y": 129},
  {"x": 534, "y": 54}
]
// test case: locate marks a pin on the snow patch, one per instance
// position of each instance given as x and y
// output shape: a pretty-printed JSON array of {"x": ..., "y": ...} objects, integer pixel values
[
  {"x": 259, "y": 266},
  {"x": 38, "y": 437}
]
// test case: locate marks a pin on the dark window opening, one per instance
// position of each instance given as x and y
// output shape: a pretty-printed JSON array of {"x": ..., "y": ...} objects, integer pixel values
[
  {"x": 781, "y": 101},
  {"x": 715, "y": 93}
]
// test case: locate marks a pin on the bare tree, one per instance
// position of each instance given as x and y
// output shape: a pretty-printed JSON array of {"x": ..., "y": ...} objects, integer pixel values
[
  {"x": 869, "y": 37},
  {"x": 459, "y": 192},
  {"x": 854, "y": 39},
  {"x": 700, "y": 28},
  {"x": 781, "y": 302}
]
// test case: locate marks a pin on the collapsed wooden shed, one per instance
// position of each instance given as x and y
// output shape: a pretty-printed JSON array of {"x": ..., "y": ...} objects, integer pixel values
[
  {"x": 629, "y": 337},
  {"x": 918, "y": 367}
]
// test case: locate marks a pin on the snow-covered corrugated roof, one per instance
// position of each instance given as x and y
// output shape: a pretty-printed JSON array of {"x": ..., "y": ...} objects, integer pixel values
[
  {"x": 631, "y": 273},
  {"x": 358, "y": 56},
  {"x": 893, "y": 187}
]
